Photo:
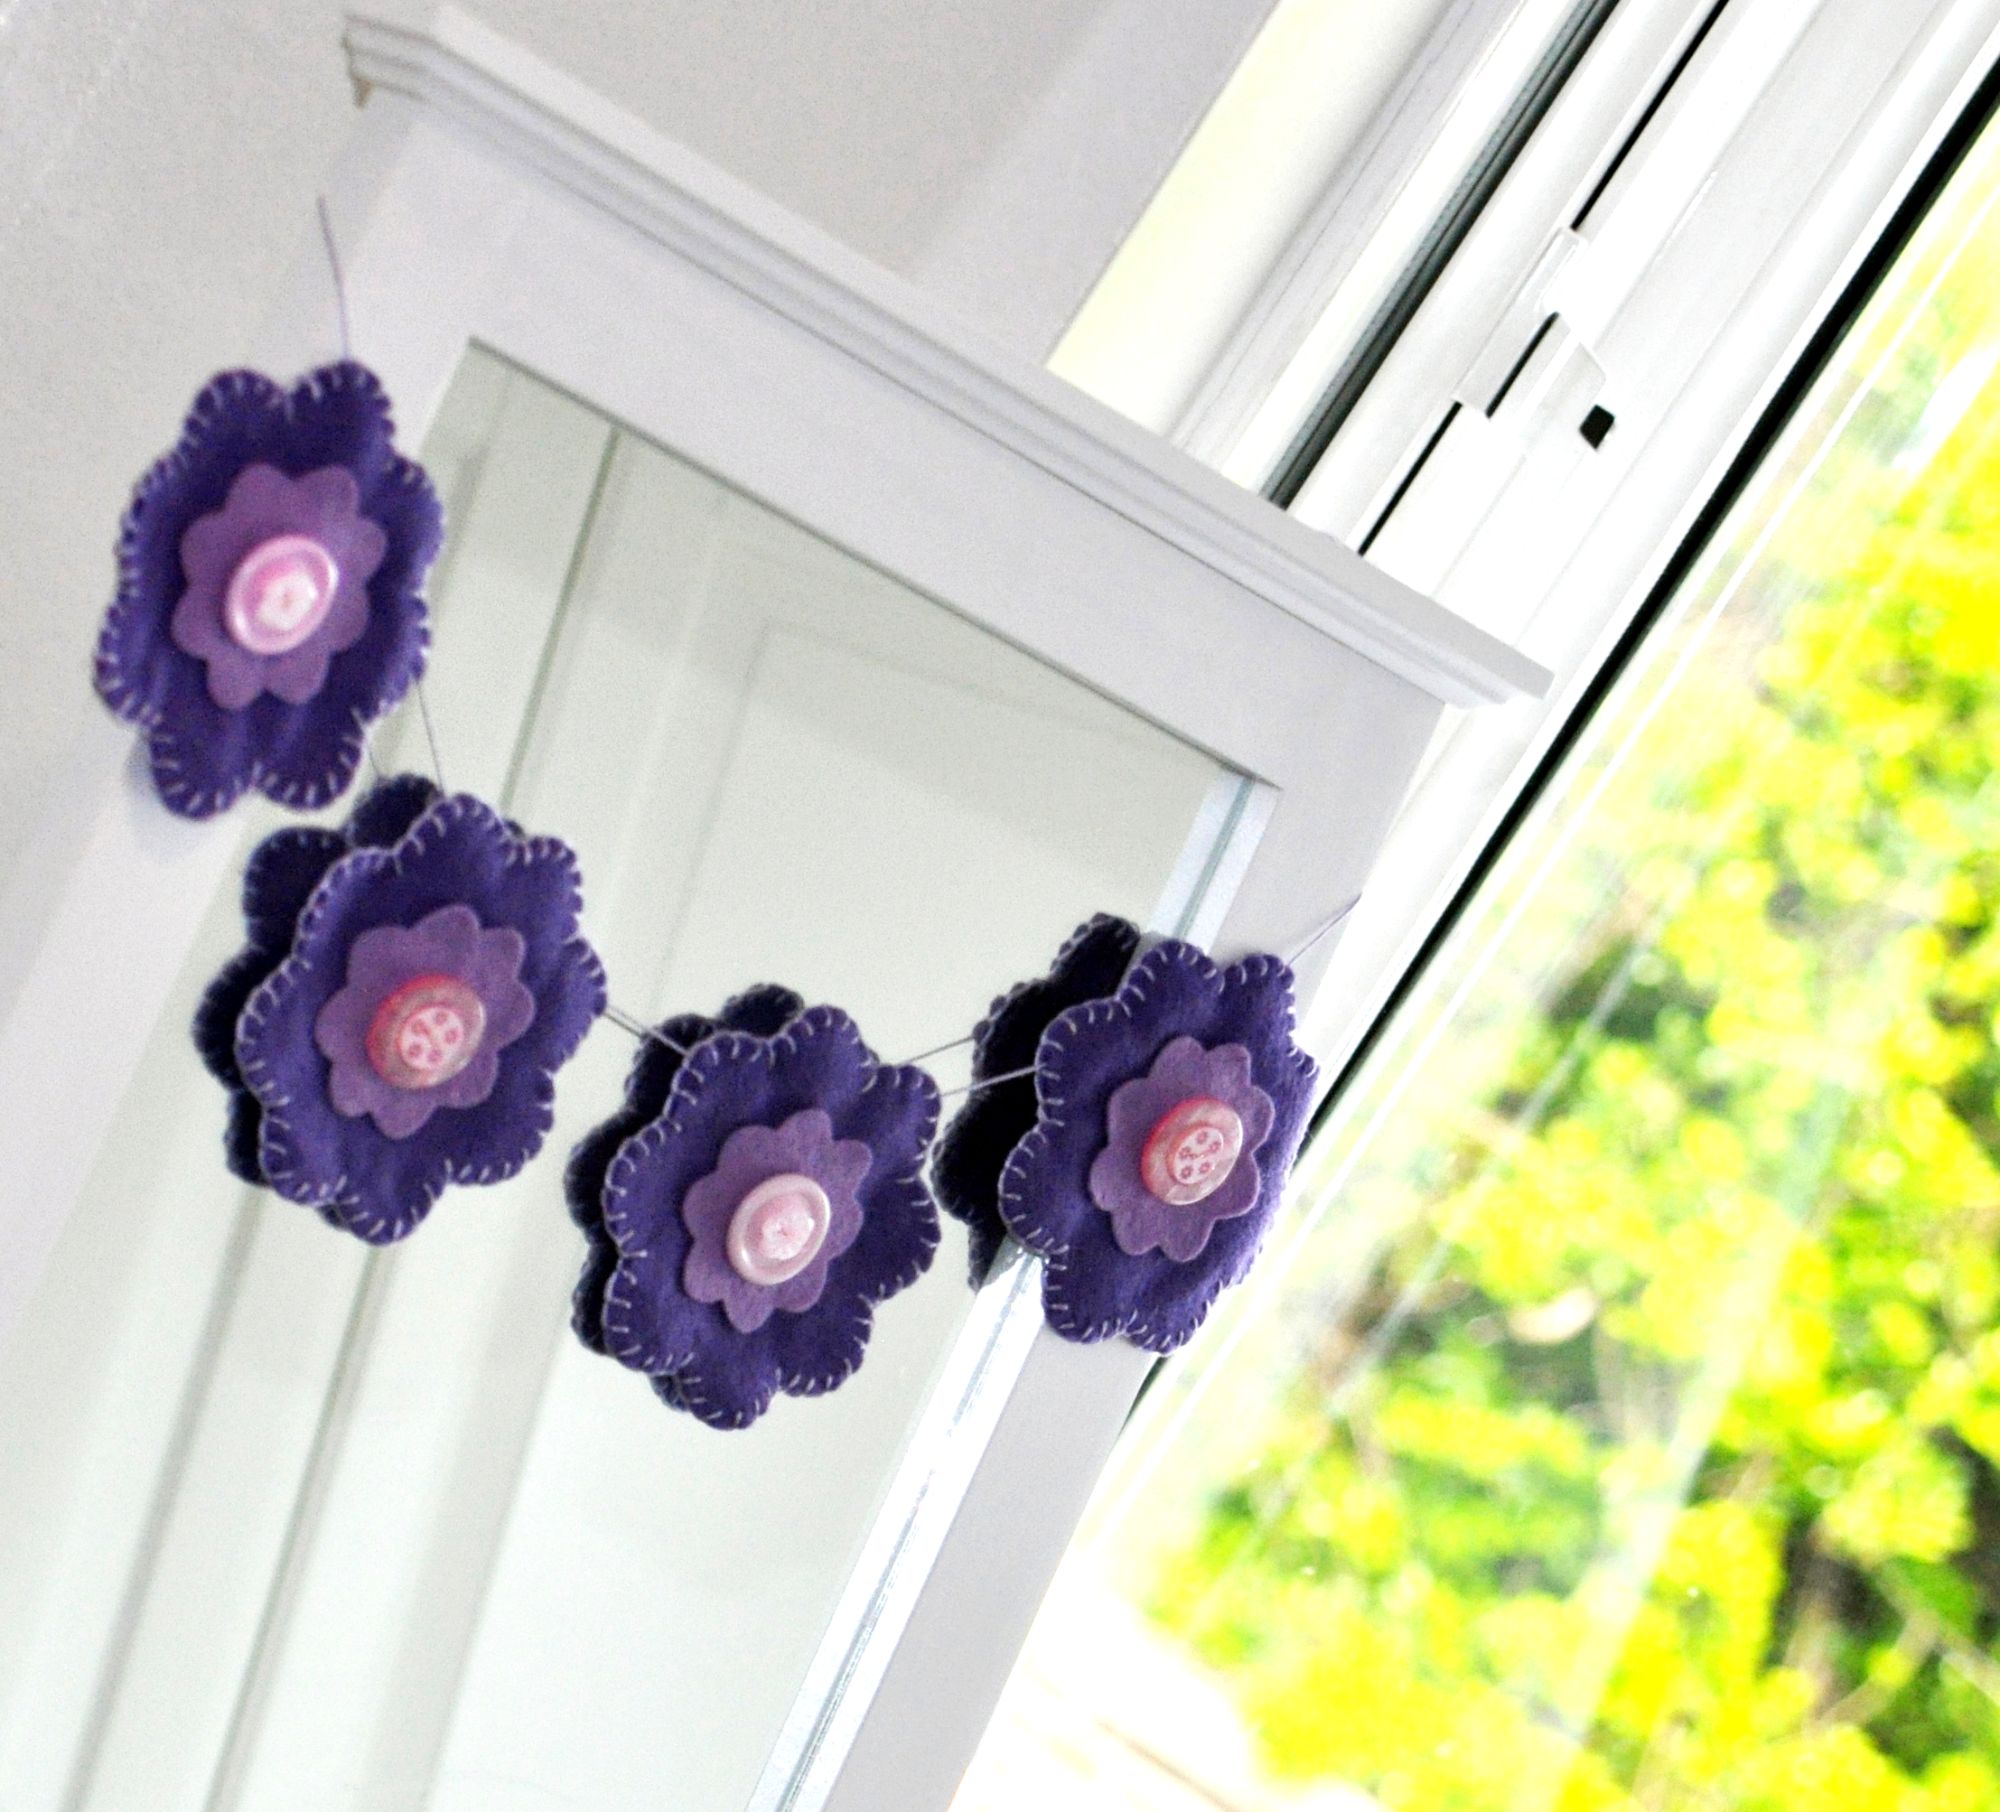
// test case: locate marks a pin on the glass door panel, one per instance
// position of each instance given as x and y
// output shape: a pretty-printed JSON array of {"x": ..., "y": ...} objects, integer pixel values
[{"x": 288, "y": 1524}]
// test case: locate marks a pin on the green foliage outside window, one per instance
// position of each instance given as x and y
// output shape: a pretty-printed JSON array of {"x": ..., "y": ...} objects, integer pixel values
[{"x": 1657, "y": 1463}]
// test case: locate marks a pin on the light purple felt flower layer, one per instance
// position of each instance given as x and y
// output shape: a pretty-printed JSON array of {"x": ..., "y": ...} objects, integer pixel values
[
  {"x": 1092, "y": 1286},
  {"x": 642, "y": 1203},
  {"x": 1140, "y": 1221},
  {"x": 450, "y": 941},
  {"x": 262, "y": 505},
  {"x": 256, "y": 461},
  {"x": 459, "y": 853},
  {"x": 803, "y": 1146}
]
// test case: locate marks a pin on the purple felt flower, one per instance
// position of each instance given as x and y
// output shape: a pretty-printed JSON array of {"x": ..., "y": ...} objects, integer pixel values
[
  {"x": 1168, "y": 1112},
  {"x": 750, "y": 1203},
  {"x": 270, "y": 575},
  {"x": 965, "y": 1170},
  {"x": 409, "y": 1036},
  {"x": 278, "y": 880}
]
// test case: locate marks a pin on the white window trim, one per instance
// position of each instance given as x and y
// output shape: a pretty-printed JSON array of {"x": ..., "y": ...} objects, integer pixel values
[{"x": 1330, "y": 277}]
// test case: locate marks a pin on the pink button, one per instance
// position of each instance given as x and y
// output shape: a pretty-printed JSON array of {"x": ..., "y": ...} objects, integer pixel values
[
  {"x": 426, "y": 1032},
  {"x": 1191, "y": 1151},
  {"x": 279, "y": 594},
  {"x": 778, "y": 1229}
]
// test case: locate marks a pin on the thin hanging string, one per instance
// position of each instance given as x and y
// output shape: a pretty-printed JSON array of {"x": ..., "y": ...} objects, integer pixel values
[
  {"x": 632, "y": 1024},
  {"x": 639, "y": 1029},
  {"x": 347, "y": 352},
  {"x": 628, "y": 1022},
  {"x": 430, "y": 735},
  {"x": 339, "y": 281},
  {"x": 368, "y": 745},
  {"x": 938, "y": 1050},
  {"x": 1291, "y": 962},
  {"x": 1332, "y": 924},
  {"x": 968, "y": 1088}
]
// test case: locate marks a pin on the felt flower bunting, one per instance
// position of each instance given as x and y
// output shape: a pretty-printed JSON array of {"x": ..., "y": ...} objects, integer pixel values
[
  {"x": 760, "y": 1190},
  {"x": 1167, "y": 1108},
  {"x": 270, "y": 576},
  {"x": 409, "y": 989}
]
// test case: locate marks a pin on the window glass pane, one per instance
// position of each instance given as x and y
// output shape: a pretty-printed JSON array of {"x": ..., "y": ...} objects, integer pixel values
[{"x": 1619, "y": 1427}]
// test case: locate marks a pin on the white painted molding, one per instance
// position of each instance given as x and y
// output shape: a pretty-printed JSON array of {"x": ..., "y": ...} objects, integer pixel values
[{"x": 457, "y": 68}]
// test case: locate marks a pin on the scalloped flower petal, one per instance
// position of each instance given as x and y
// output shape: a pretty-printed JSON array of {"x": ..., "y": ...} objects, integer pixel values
[
  {"x": 254, "y": 462},
  {"x": 766, "y": 1088},
  {"x": 377, "y": 1174},
  {"x": 1173, "y": 1026}
]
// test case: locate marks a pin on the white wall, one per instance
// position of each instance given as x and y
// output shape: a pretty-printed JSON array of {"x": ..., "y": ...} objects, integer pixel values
[{"x": 158, "y": 160}]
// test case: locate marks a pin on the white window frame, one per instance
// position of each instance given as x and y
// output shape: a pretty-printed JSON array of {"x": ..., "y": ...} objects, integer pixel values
[
  {"x": 488, "y": 200},
  {"x": 1374, "y": 209},
  {"x": 1856, "y": 93}
]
